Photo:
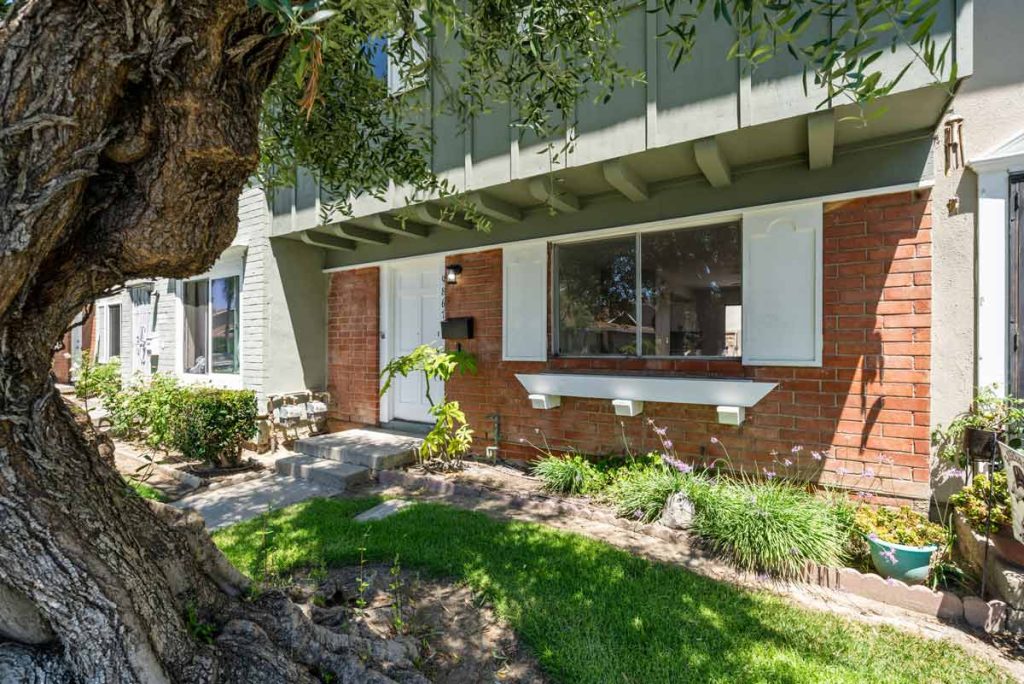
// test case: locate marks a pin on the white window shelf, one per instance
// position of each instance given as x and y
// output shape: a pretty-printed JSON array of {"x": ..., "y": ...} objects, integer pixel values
[{"x": 667, "y": 389}]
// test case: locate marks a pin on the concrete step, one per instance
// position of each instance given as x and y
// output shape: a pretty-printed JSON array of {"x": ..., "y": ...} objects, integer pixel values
[
  {"x": 331, "y": 474},
  {"x": 366, "y": 447}
]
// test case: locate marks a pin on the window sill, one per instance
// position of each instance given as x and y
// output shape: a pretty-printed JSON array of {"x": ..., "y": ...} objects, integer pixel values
[{"x": 673, "y": 389}]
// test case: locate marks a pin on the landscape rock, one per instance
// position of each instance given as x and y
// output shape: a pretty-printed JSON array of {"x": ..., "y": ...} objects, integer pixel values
[{"x": 678, "y": 513}]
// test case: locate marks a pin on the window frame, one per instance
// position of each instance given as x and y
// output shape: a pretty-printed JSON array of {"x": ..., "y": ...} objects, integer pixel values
[
  {"x": 102, "y": 325},
  {"x": 233, "y": 269},
  {"x": 637, "y": 234}
]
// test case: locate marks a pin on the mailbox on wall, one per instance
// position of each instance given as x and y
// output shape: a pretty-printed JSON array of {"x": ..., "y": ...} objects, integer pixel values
[{"x": 457, "y": 328}]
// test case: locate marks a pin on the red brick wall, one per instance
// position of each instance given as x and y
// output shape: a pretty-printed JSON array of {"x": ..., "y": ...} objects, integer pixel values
[
  {"x": 866, "y": 408},
  {"x": 353, "y": 334}
]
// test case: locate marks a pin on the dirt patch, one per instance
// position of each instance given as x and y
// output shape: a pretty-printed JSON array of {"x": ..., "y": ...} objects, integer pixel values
[
  {"x": 457, "y": 640},
  {"x": 497, "y": 476}
]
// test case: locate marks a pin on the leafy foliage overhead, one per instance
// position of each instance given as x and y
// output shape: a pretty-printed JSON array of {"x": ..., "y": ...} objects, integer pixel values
[{"x": 331, "y": 112}]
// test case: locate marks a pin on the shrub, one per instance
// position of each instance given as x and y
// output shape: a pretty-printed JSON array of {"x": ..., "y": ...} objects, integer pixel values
[
  {"x": 210, "y": 425},
  {"x": 97, "y": 379},
  {"x": 767, "y": 526},
  {"x": 574, "y": 475},
  {"x": 641, "y": 492},
  {"x": 902, "y": 526},
  {"x": 973, "y": 503},
  {"x": 145, "y": 408}
]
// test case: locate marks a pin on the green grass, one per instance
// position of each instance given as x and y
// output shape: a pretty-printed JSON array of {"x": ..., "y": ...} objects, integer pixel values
[
  {"x": 593, "y": 613},
  {"x": 145, "y": 491}
]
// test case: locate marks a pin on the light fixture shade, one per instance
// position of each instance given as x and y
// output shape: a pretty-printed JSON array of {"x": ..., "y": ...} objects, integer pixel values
[{"x": 451, "y": 274}]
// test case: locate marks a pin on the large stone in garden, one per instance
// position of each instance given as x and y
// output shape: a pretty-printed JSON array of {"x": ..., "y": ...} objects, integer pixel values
[{"x": 678, "y": 513}]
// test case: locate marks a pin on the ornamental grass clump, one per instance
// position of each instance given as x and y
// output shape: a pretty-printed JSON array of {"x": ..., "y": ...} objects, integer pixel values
[
  {"x": 767, "y": 526},
  {"x": 573, "y": 475},
  {"x": 641, "y": 492}
]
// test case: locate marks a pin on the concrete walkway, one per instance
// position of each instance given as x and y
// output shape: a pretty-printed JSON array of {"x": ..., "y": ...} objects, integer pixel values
[{"x": 229, "y": 504}]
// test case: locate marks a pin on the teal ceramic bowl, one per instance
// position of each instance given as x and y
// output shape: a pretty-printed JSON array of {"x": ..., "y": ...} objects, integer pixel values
[{"x": 905, "y": 563}]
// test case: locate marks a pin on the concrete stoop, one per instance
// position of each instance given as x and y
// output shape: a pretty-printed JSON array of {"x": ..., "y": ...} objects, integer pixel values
[{"x": 343, "y": 459}]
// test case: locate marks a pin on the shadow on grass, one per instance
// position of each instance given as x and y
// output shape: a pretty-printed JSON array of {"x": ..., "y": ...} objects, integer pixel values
[{"x": 594, "y": 613}]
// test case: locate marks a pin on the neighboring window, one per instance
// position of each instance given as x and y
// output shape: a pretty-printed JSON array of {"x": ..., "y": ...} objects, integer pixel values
[
  {"x": 211, "y": 325},
  {"x": 224, "y": 325},
  {"x": 108, "y": 331},
  {"x": 686, "y": 300},
  {"x": 196, "y": 298},
  {"x": 388, "y": 70}
]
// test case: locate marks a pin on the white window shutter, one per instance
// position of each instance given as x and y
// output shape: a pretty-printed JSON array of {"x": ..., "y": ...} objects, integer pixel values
[
  {"x": 782, "y": 286},
  {"x": 525, "y": 302}
]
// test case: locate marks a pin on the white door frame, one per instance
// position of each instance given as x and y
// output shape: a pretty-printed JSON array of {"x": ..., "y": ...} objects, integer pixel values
[{"x": 386, "y": 312}]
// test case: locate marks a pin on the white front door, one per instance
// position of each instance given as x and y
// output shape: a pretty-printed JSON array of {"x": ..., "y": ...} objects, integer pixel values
[
  {"x": 142, "y": 308},
  {"x": 416, "y": 319}
]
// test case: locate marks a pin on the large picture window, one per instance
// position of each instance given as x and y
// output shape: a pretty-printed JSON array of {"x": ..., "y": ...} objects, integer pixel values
[
  {"x": 211, "y": 325},
  {"x": 668, "y": 293}
]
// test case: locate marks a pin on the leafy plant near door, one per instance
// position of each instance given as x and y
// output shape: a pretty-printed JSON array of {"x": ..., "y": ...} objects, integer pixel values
[{"x": 451, "y": 437}]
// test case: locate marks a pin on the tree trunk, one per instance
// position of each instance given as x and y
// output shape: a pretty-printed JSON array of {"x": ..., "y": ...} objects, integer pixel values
[{"x": 127, "y": 131}]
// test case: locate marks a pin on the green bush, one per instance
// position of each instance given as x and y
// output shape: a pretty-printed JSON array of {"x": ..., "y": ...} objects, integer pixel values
[
  {"x": 97, "y": 379},
  {"x": 767, "y": 526},
  {"x": 901, "y": 526},
  {"x": 574, "y": 475},
  {"x": 973, "y": 503},
  {"x": 146, "y": 409},
  {"x": 210, "y": 425},
  {"x": 641, "y": 492}
]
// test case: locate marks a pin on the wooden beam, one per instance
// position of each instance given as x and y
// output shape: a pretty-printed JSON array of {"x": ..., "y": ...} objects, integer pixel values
[
  {"x": 439, "y": 216},
  {"x": 495, "y": 208},
  {"x": 390, "y": 224},
  {"x": 712, "y": 162},
  {"x": 359, "y": 234},
  {"x": 318, "y": 239},
  {"x": 821, "y": 139},
  {"x": 625, "y": 180},
  {"x": 542, "y": 189}
]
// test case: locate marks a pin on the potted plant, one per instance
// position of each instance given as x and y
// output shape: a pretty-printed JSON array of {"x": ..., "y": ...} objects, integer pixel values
[
  {"x": 901, "y": 541},
  {"x": 971, "y": 437},
  {"x": 985, "y": 507}
]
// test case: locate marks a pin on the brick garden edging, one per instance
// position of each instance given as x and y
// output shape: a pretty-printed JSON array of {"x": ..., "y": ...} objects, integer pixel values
[{"x": 990, "y": 616}]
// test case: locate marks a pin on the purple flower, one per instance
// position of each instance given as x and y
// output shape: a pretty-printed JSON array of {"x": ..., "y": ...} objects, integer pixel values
[
  {"x": 873, "y": 537},
  {"x": 953, "y": 473},
  {"x": 890, "y": 581},
  {"x": 668, "y": 443},
  {"x": 714, "y": 440},
  {"x": 816, "y": 455},
  {"x": 797, "y": 449},
  {"x": 770, "y": 474},
  {"x": 869, "y": 472},
  {"x": 787, "y": 463},
  {"x": 660, "y": 431},
  {"x": 887, "y": 460},
  {"x": 889, "y": 555},
  {"x": 681, "y": 466}
]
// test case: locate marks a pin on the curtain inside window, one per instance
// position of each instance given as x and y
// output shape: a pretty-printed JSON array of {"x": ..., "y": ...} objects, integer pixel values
[{"x": 196, "y": 298}]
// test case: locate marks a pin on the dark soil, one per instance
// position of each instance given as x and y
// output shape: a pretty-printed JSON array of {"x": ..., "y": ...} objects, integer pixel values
[{"x": 458, "y": 640}]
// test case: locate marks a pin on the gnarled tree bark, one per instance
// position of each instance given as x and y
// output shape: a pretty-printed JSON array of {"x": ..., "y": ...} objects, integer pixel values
[{"x": 127, "y": 130}]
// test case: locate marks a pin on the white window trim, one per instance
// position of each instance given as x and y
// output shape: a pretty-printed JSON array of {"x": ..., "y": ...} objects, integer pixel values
[
  {"x": 227, "y": 266},
  {"x": 101, "y": 323}
]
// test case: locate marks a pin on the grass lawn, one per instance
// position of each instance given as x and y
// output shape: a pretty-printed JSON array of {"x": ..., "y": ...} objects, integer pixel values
[{"x": 594, "y": 613}]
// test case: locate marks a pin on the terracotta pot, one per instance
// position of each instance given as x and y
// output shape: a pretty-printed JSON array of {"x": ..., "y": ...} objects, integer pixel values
[{"x": 1007, "y": 548}]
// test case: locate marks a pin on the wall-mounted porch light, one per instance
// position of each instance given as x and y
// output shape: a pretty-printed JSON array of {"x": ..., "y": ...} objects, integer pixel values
[{"x": 452, "y": 273}]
